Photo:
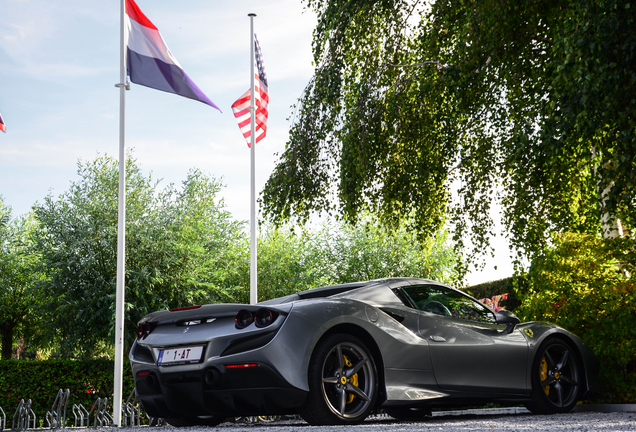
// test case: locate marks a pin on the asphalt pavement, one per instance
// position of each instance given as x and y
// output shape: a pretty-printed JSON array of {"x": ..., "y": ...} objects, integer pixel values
[{"x": 576, "y": 421}]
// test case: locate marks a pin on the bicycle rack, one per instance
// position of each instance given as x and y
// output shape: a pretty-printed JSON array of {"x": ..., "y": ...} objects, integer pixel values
[
  {"x": 131, "y": 414},
  {"x": 101, "y": 415},
  {"x": 3, "y": 420},
  {"x": 22, "y": 416},
  {"x": 56, "y": 418},
  {"x": 80, "y": 411}
]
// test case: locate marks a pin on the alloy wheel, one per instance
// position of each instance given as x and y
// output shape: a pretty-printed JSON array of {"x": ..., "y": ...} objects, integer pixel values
[
  {"x": 348, "y": 380},
  {"x": 559, "y": 375}
]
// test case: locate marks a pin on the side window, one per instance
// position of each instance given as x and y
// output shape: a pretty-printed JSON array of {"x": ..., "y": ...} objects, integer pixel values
[
  {"x": 471, "y": 310},
  {"x": 443, "y": 301},
  {"x": 406, "y": 300}
]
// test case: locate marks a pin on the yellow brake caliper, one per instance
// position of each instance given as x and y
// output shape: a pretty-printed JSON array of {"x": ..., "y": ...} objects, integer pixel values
[
  {"x": 543, "y": 374},
  {"x": 354, "y": 379}
]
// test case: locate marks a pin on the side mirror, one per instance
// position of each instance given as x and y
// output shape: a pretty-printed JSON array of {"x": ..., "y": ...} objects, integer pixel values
[{"x": 507, "y": 317}]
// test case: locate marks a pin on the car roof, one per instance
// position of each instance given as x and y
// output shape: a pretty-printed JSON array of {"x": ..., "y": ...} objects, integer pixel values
[{"x": 330, "y": 290}]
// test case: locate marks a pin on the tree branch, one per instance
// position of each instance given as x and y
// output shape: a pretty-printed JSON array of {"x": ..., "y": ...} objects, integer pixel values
[{"x": 440, "y": 66}]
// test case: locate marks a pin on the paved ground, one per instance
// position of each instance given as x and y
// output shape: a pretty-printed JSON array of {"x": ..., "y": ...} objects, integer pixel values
[{"x": 578, "y": 421}]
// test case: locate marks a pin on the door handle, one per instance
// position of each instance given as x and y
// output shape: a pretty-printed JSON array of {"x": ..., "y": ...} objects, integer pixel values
[{"x": 438, "y": 339}]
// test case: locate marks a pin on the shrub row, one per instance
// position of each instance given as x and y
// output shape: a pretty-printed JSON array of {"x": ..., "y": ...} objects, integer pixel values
[
  {"x": 514, "y": 286},
  {"x": 40, "y": 381}
]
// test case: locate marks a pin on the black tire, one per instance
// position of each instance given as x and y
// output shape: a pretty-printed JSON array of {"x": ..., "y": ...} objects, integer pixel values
[
  {"x": 557, "y": 378},
  {"x": 195, "y": 421},
  {"x": 408, "y": 413},
  {"x": 343, "y": 382}
]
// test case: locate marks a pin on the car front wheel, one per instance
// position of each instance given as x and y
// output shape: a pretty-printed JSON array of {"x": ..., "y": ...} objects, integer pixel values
[
  {"x": 343, "y": 383},
  {"x": 556, "y": 378}
]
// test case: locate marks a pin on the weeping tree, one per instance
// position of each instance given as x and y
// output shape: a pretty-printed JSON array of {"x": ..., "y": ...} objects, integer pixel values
[{"x": 431, "y": 111}]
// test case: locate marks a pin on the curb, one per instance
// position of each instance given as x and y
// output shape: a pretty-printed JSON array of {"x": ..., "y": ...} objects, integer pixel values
[{"x": 605, "y": 408}]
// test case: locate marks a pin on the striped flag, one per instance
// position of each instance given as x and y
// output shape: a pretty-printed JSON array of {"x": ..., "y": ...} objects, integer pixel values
[
  {"x": 2, "y": 126},
  {"x": 149, "y": 61},
  {"x": 241, "y": 107}
]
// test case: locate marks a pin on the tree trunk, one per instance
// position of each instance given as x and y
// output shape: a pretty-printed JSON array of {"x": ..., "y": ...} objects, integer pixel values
[{"x": 7, "y": 341}]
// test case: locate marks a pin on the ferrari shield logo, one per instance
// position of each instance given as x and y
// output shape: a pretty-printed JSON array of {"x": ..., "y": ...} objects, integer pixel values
[{"x": 529, "y": 332}]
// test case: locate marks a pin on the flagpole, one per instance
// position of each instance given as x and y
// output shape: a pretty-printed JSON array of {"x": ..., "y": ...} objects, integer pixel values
[
  {"x": 121, "y": 229},
  {"x": 253, "y": 260}
]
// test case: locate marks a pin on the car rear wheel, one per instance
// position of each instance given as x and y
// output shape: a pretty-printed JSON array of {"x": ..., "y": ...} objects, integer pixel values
[
  {"x": 195, "y": 421},
  {"x": 556, "y": 378},
  {"x": 408, "y": 413},
  {"x": 343, "y": 385}
]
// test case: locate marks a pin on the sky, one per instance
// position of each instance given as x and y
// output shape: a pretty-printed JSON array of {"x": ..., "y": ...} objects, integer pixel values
[{"x": 59, "y": 63}]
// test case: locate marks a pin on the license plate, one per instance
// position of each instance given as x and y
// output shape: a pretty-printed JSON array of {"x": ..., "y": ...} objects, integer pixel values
[{"x": 180, "y": 355}]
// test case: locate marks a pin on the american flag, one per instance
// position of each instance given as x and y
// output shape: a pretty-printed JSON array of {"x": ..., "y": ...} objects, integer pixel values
[
  {"x": 241, "y": 107},
  {"x": 2, "y": 127}
]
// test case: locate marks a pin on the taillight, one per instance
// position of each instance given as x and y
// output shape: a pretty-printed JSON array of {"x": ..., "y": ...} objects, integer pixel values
[
  {"x": 144, "y": 329},
  {"x": 242, "y": 365},
  {"x": 265, "y": 317},
  {"x": 243, "y": 319}
]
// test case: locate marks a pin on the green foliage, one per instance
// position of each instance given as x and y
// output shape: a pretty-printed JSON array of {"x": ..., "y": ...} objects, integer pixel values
[
  {"x": 587, "y": 285},
  {"x": 182, "y": 248},
  {"x": 17, "y": 276},
  {"x": 286, "y": 264},
  {"x": 527, "y": 103},
  {"x": 289, "y": 262},
  {"x": 179, "y": 247},
  {"x": 40, "y": 381},
  {"x": 370, "y": 251}
]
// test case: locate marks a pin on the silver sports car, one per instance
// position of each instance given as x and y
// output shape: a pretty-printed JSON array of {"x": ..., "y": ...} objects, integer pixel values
[{"x": 333, "y": 354}]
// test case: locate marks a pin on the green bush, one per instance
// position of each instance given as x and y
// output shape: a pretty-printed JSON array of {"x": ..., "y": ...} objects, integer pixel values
[
  {"x": 40, "y": 381},
  {"x": 587, "y": 285}
]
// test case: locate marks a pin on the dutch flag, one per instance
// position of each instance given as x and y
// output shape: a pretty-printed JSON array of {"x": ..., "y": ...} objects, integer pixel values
[{"x": 149, "y": 61}]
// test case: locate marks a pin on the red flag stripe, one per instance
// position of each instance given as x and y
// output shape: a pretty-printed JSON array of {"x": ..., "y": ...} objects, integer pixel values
[
  {"x": 241, "y": 110},
  {"x": 135, "y": 13},
  {"x": 241, "y": 102}
]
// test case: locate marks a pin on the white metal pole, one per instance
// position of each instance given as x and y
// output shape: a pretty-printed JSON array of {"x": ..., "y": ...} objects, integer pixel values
[
  {"x": 253, "y": 260},
  {"x": 121, "y": 229}
]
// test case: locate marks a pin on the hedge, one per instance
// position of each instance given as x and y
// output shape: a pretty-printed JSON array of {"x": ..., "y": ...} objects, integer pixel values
[
  {"x": 514, "y": 286},
  {"x": 40, "y": 381}
]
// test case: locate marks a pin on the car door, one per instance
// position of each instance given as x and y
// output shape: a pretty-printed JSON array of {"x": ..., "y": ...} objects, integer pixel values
[{"x": 469, "y": 350}]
